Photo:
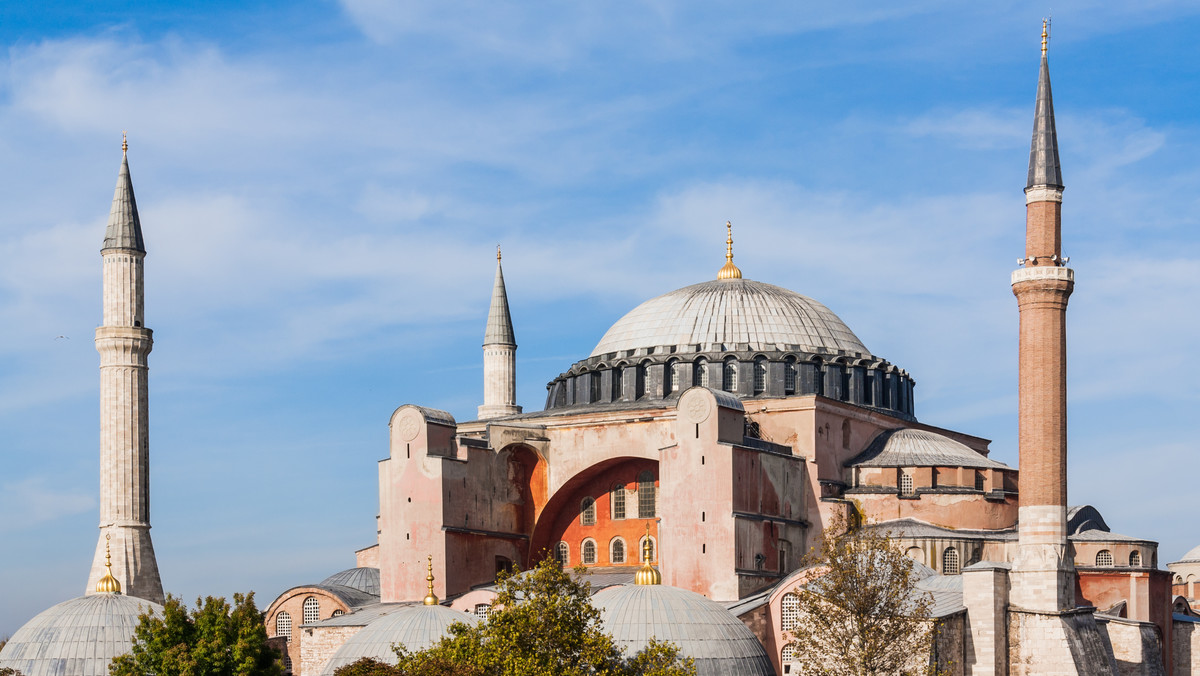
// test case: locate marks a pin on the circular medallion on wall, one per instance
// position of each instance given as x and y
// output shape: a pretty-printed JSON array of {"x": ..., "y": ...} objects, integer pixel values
[
  {"x": 696, "y": 405},
  {"x": 409, "y": 424}
]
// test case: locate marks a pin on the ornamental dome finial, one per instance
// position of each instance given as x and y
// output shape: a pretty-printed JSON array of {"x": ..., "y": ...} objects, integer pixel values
[
  {"x": 647, "y": 574},
  {"x": 108, "y": 584},
  {"x": 430, "y": 599},
  {"x": 1045, "y": 34},
  {"x": 729, "y": 270}
]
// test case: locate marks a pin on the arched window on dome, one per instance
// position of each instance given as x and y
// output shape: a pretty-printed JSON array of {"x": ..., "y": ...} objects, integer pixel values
[
  {"x": 729, "y": 375},
  {"x": 616, "y": 550},
  {"x": 283, "y": 624},
  {"x": 594, "y": 387},
  {"x": 562, "y": 554},
  {"x": 760, "y": 375},
  {"x": 641, "y": 379},
  {"x": 617, "y": 502},
  {"x": 312, "y": 610},
  {"x": 818, "y": 375},
  {"x": 1104, "y": 558},
  {"x": 672, "y": 377},
  {"x": 588, "y": 551},
  {"x": 700, "y": 376},
  {"x": 950, "y": 561},
  {"x": 646, "y": 498},
  {"x": 979, "y": 480},
  {"x": 789, "y": 611},
  {"x": 587, "y": 512},
  {"x": 618, "y": 378},
  {"x": 789, "y": 375},
  {"x": 916, "y": 554},
  {"x": 1135, "y": 559}
]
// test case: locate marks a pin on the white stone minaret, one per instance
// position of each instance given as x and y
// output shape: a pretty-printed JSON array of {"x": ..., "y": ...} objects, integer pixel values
[
  {"x": 499, "y": 355},
  {"x": 123, "y": 343}
]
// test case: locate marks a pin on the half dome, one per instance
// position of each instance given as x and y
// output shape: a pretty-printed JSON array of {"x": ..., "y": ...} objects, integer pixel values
[
  {"x": 908, "y": 447},
  {"x": 365, "y": 580},
  {"x": 732, "y": 312},
  {"x": 79, "y": 637},
  {"x": 414, "y": 627}
]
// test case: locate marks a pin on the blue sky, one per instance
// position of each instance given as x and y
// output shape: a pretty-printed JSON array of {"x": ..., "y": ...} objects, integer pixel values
[{"x": 322, "y": 185}]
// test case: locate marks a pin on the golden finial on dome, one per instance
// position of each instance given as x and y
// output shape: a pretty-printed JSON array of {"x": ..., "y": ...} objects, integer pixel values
[
  {"x": 729, "y": 271},
  {"x": 647, "y": 574},
  {"x": 1045, "y": 34},
  {"x": 124, "y": 142},
  {"x": 108, "y": 584},
  {"x": 430, "y": 598}
]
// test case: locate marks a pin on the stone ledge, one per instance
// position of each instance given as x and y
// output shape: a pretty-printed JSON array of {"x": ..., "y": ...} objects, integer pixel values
[{"x": 1043, "y": 272}]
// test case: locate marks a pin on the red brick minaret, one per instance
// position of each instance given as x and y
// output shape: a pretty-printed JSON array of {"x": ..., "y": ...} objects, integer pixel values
[{"x": 1043, "y": 571}]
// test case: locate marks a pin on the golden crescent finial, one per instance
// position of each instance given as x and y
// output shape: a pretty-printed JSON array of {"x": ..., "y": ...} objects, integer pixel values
[
  {"x": 497, "y": 252},
  {"x": 430, "y": 599},
  {"x": 124, "y": 142},
  {"x": 1045, "y": 34},
  {"x": 729, "y": 271},
  {"x": 108, "y": 584}
]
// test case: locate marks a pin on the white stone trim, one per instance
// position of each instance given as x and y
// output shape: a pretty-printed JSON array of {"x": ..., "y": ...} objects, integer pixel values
[
  {"x": 1043, "y": 272},
  {"x": 1042, "y": 193}
]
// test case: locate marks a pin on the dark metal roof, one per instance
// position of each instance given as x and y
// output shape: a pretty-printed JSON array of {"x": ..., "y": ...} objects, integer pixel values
[
  {"x": 499, "y": 324},
  {"x": 905, "y": 447},
  {"x": 124, "y": 227},
  {"x": 1044, "y": 168},
  {"x": 365, "y": 580}
]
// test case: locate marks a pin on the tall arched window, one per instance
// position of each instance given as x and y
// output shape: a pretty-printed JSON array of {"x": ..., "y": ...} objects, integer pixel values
[
  {"x": 700, "y": 377},
  {"x": 595, "y": 387},
  {"x": 789, "y": 375},
  {"x": 790, "y": 611},
  {"x": 729, "y": 375},
  {"x": 616, "y": 552},
  {"x": 641, "y": 552},
  {"x": 906, "y": 484},
  {"x": 283, "y": 624},
  {"x": 312, "y": 610},
  {"x": 950, "y": 561},
  {"x": 760, "y": 375},
  {"x": 587, "y": 512},
  {"x": 562, "y": 554},
  {"x": 646, "y": 496},
  {"x": 1135, "y": 559},
  {"x": 979, "y": 480},
  {"x": 641, "y": 379},
  {"x": 916, "y": 554},
  {"x": 1104, "y": 558},
  {"x": 618, "y": 381},
  {"x": 617, "y": 496},
  {"x": 673, "y": 377},
  {"x": 589, "y": 551},
  {"x": 787, "y": 656}
]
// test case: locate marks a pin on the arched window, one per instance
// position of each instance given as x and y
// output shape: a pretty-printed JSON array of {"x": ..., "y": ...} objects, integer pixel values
[
  {"x": 1178, "y": 579},
  {"x": 287, "y": 663},
  {"x": 617, "y": 496},
  {"x": 906, "y": 484},
  {"x": 916, "y": 554},
  {"x": 979, "y": 480},
  {"x": 641, "y": 380},
  {"x": 312, "y": 610},
  {"x": 845, "y": 434},
  {"x": 587, "y": 512},
  {"x": 729, "y": 375},
  {"x": 618, "y": 378},
  {"x": 760, "y": 375},
  {"x": 787, "y": 656},
  {"x": 674, "y": 376},
  {"x": 283, "y": 624},
  {"x": 950, "y": 561},
  {"x": 646, "y": 498},
  {"x": 562, "y": 554},
  {"x": 595, "y": 387},
  {"x": 1135, "y": 559},
  {"x": 616, "y": 551},
  {"x": 338, "y": 613},
  {"x": 700, "y": 374},
  {"x": 641, "y": 552},
  {"x": 789, "y": 375},
  {"x": 589, "y": 551},
  {"x": 1104, "y": 558},
  {"x": 482, "y": 610},
  {"x": 790, "y": 611}
]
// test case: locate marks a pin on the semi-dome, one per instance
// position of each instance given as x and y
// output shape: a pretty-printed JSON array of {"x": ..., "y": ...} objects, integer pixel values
[
  {"x": 414, "y": 627},
  {"x": 79, "y": 637},
  {"x": 703, "y": 629},
  {"x": 365, "y": 580},
  {"x": 732, "y": 312},
  {"x": 907, "y": 447}
]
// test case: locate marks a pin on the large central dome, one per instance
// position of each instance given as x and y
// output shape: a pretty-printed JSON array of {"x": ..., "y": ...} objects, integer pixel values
[{"x": 732, "y": 312}]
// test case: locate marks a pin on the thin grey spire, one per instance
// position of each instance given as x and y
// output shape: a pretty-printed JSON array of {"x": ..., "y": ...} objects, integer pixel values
[
  {"x": 499, "y": 324},
  {"x": 1044, "y": 169},
  {"x": 124, "y": 227}
]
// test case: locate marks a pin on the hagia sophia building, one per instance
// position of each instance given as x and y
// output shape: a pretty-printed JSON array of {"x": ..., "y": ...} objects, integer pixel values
[{"x": 689, "y": 461}]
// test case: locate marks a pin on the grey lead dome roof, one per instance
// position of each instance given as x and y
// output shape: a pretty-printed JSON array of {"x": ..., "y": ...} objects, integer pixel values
[
  {"x": 365, "y": 580},
  {"x": 729, "y": 312},
  {"x": 906, "y": 447},
  {"x": 703, "y": 629},
  {"x": 79, "y": 637},
  {"x": 414, "y": 627}
]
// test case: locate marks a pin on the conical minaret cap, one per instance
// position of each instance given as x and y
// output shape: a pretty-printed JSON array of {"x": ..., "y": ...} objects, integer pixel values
[
  {"x": 124, "y": 227},
  {"x": 1044, "y": 169},
  {"x": 499, "y": 324}
]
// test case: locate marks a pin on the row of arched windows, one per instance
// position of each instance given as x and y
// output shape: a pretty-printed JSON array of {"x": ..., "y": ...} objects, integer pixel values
[
  {"x": 617, "y": 551},
  {"x": 312, "y": 613},
  {"x": 646, "y": 495}
]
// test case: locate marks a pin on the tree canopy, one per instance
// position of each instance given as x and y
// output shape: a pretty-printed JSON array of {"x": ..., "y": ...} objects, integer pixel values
[
  {"x": 542, "y": 624},
  {"x": 214, "y": 639},
  {"x": 859, "y": 612}
]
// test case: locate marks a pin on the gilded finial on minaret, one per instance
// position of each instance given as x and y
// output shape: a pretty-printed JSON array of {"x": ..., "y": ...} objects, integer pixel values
[
  {"x": 729, "y": 270},
  {"x": 124, "y": 142},
  {"x": 1045, "y": 34},
  {"x": 430, "y": 599},
  {"x": 108, "y": 584},
  {"x": 497, "y": 252},
  {"x": 647, "y": 574}
]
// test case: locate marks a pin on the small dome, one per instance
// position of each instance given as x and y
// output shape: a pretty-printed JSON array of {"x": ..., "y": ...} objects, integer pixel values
[
  {"x": 414, "y": 627},
  {"x": 79, "y": 637},
  {"x": 920, "y": 448},
  {"x": 732, "y": 311},
  {"x": 703, "y": 629},
  {"x": 1192, "y": 556},
  {"x": 365, "y": 580}
]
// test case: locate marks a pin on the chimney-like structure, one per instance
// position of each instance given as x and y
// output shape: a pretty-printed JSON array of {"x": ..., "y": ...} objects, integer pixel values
[
  {"x": 124, "y": 343},
  {"x": 499, "y": 355},
  {"x": 1043, "y": 571}
]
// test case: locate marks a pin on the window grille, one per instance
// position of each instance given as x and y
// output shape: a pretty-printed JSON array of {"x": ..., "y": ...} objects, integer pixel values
[
  {"x": 788, "y": 654},
  {"x": 589, "y": 551},
  {"x": 950, "y": 561},
  {"x": 646, "y": 497},
  {"x": 1135, "y": 559},
  {"x": 674, "y": 376},
  {"x": 483, "y": 610},
  {"x": 618, "y": 501},
  {"x": 587, "y": 512},
  {"x": 1104, "y": 558},
  {"x": 906, "y": 484},
  {"x": 790, "y": 612},
  {"x": 729, "y": 377},
  {"x": 789, "y": 376},
  {"x": 562, "y": 554},
  {"x": 617, "y": 555},
  {"x": 701, "y": 375},
  {"x": 338, "y": 613},
  {"x": 287, "y": 663},
  {"x": 312, "y": 610},
  {"x": 283, "y": 624},
  {"x": 760, "y": 375},
  {"x": 978, "y": 480}
]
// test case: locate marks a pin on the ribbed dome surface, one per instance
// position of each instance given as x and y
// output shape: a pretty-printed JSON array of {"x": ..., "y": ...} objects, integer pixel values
[
  {"x": 730, "y": 312},
  {"x": 79, "y": 637},
  {"x": 414, "y": 627},
  {"x": 1192, "y": 556},
  {"x": 703, "y": 629},
  {"x": 920, "y": 448},
  {"x": 363, "y": 579}
]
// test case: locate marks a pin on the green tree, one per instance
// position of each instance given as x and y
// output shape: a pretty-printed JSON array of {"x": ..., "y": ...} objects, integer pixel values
[
  {"x": 860, "y": 612},
  {"x": 215, "y": 639},
  {"x": 9, "y": 671}
]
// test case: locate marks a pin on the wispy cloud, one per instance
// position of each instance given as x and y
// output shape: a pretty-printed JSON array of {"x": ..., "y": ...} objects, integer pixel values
[{"x": 36, "y": 500}]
